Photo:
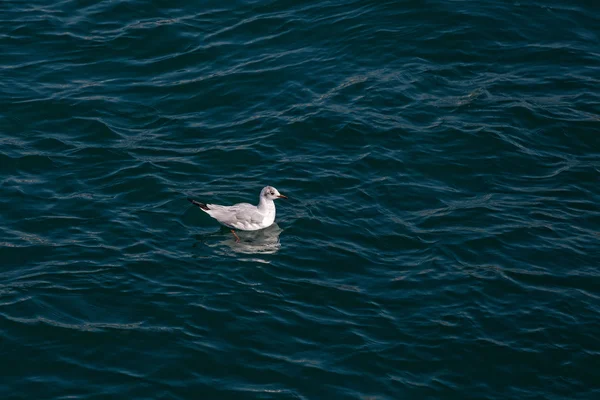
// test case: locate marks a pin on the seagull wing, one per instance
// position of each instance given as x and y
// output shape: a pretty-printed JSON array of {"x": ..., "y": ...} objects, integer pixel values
[{"x": 240, "y": 216}]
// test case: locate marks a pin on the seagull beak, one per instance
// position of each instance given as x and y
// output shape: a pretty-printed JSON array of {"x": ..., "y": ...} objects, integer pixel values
[{"x": 281, "y": 197}]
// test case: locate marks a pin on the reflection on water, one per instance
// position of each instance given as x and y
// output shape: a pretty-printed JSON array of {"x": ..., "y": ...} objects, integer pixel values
[{"x": 264, "y": 241}]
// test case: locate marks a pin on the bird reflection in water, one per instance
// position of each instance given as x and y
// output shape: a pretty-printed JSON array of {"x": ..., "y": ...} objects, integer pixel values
[{"x": 264, "y": 241}]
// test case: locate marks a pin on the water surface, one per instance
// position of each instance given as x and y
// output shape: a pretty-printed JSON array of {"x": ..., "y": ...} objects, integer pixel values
[{"x": 442, "y": 160}]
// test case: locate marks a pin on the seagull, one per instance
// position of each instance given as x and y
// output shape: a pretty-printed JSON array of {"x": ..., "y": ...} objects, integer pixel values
[{"x": 244, "y": 216}]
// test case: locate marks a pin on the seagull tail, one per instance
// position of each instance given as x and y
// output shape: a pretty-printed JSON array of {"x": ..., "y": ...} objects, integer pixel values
[{"x": 197, "y": 203}]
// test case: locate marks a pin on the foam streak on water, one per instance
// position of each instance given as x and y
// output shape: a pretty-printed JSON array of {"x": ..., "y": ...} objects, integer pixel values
[{"x": 441, "y": 239}]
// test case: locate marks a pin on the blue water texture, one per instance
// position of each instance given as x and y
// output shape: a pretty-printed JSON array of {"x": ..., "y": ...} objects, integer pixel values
[{"x": 442, "y": 234}]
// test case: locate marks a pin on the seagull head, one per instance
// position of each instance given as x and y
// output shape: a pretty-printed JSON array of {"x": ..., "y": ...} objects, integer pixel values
[{"x": 270, "y": 193}]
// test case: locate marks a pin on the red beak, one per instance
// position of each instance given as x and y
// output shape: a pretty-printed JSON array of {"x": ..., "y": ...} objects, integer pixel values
[{"x": 281, "y": 197}]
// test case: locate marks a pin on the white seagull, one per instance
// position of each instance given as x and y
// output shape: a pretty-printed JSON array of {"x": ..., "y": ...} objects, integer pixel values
[{"x": 244, "y": 216}]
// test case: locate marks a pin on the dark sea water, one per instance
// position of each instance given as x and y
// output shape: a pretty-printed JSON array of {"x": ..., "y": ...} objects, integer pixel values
[{"x": 441, "y": 240}]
